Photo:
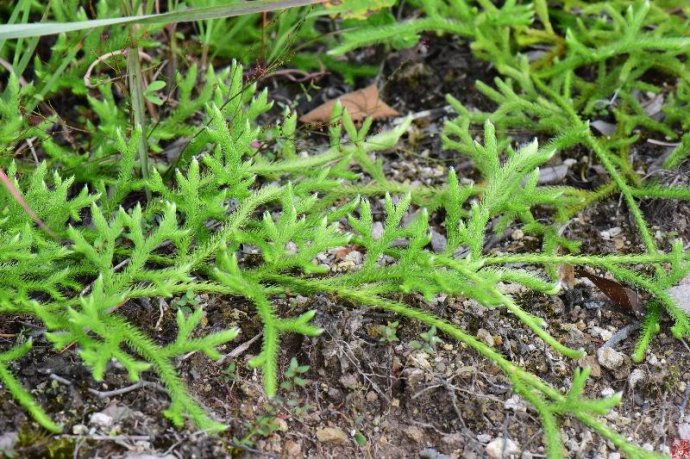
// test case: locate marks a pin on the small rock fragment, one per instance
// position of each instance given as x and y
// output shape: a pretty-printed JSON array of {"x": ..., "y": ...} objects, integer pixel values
[
  {"x": 355, "y": 257},
  {"x": 635, "y": 377},
  {"x": 331, "y": 435},
  {"x": 432, "y": 453},
  {"x": 281, "y": 424},
  {"x": 79, "y": 429},
  {"x": 7, "y": 441},
  {"x": 377, "y": 230},
  {"x": 610, "y": 358},
  {"x": 349, "y": 381},
  {"x": 603, "y": 127},
  {"x": 101, "y": 420},
  {"x": 591, "y": 362},
  {"x": 483, "y": 438},
  {"x": 684, "y": 431},
  {"x": 502, "y": 448},
  {"x": 419, "y": 359},
  {"x": 414, "y": 433},
  {"x": 118, "y": 412},
  {"x": 517, "y": 234},
  {"x": 607, "y": 392},
  {"x": 414, "y": 377},
  {"x": 516, "y": 404},
  {"x": 485, "y": 336},
  {"x": 681, "y": 294},
  {"x": 454, "y": 440},
  {"x": 292, "y": 449},
  {"x": 438, "y": 241}
]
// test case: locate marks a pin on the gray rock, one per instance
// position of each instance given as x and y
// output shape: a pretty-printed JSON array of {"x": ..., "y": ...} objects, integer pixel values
[{"x": 610, "y": 358}]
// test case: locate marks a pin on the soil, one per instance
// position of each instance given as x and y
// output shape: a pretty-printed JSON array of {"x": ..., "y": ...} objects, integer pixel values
[{"x": 395, "y": 401}]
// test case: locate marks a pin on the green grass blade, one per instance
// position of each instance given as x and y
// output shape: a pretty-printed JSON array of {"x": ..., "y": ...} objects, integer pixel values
[{"x": 10, "y": 31}]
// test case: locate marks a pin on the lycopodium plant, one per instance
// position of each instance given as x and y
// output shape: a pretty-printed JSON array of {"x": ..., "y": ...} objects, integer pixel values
[{"x": 119, "y": 234}]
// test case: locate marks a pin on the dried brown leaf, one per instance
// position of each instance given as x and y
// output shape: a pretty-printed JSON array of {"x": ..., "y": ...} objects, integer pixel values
[
  {"x": 622, "y": 296},
  {"x": 360, "y": 104}
]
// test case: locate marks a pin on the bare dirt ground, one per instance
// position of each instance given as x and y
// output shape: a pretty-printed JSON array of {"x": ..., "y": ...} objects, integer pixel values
[{"x": 395, "y": 401}]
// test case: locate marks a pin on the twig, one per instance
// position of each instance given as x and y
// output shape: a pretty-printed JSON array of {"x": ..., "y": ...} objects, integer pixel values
[
  {"x": 621, "y": 334},
  {"x": 162, "y": 307},
  {"x": 124, "y": 390},
  {"x": 662, "y": 143},
  {"x": 430, "y": 113},
  {"x": 430, "y": 426},
  {"x": 239, "y": 350},
  {"x": 60, "y": 379},
  {"x": 288, "y": 73},
  {"x": 9, "y": 68},
  {"x": 116, "y": 438},
  {"x": 119, "y": 52}
]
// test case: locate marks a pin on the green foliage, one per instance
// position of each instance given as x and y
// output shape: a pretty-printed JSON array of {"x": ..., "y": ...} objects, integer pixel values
[
  {"x": 389, "y": 332},
  {"x": 229, "y": 219},
  {"x": 429, "y": 341},
  {"x": 292, "y": 378}
]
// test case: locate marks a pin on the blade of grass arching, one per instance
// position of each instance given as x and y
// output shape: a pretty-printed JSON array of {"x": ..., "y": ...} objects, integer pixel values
[
  {"x": 10, "y": 31},
  {"x": 22, "y": 55},
  {"x": 20, "y": 43},
  {"x": 28, "y": 53},
  {"x": 136, "y": 94},
  {"x": 21, "y": 7}
]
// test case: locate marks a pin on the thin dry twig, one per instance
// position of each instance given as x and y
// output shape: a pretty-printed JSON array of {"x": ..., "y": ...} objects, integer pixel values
[
  {"x": 106, "y": 56},
  {"x": 239, "y": 350},
  {"x": 124, "y": 390},
  {"x": 9, "y": 68}
]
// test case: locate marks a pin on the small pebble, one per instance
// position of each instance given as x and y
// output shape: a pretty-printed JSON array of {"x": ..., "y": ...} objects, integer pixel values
[
  {"x": 332, "y": 435},
  {"x": 635, "y": 377},
  {"x": 502, "y": 448},
  {"x": 483, "y": 438},
  {"x": 101, "y": 420},
  {"x": 414, "y": 433},
  {"x": 80, "y": 429},
  {"x": 610, "y": 358}
]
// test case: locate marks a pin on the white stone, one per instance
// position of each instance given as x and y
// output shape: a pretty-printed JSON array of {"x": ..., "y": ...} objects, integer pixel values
[
  {"x": 502, "y": 448},
  {"x": 635, "y": 377},
  {"x": 607, "y": 392},
  {"x": 610, "y": 358},
  {"x": 483, "y": 438},
  {"x": 516, "y": 404},
  {"x": 101, "y": 420},
  {"x": 684, "y": 431},
  {"x": 80, "y": 429}
]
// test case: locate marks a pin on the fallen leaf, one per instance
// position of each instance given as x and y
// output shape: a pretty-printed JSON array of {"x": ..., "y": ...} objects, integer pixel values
[
  {"x": 622, "y": 296},
  {"x": 360, "y": 104}
]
